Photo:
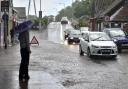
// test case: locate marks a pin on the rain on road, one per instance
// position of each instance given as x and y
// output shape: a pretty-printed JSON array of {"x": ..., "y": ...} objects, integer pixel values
[{"x": 59, "y": 66}]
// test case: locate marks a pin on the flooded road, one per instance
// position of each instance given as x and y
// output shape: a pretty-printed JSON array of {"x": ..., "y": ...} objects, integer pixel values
[
  {"x": 59, "y": 66},
  {"x": 56, "y": 32}
]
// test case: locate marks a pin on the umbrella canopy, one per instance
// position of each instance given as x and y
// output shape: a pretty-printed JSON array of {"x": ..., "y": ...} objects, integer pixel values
[{"x": 23, "y": 26}]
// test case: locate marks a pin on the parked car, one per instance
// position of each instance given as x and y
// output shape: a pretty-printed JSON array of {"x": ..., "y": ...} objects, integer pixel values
[
  {"x": 97, "y": 44},
  {"x": 119, "y": 37},
  {"x": 74, "y": 36}
]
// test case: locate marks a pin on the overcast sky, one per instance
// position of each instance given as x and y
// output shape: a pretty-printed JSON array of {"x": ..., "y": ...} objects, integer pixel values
[{"x": 49, "y": 7}]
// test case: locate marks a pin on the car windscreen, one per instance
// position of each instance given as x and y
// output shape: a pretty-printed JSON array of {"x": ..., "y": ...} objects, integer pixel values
[
  {"x": 84, "y": 29},
  {"x": 116, "y": 33},
  {"x": 75, "y": 32},
  {"x": 99, "y": 37}
]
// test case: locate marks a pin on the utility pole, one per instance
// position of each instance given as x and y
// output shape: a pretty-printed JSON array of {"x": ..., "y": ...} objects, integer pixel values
[
  {"x": 29, "y": 6},
  {"x": 93, "y": 20},
  {"x": 40, "y": 5},
  {"x": 72, "y": 11},
  {"x": 92, "y": 8},
  {"x": 34, "y": 7},
  {"x": 40, "y": 16}
]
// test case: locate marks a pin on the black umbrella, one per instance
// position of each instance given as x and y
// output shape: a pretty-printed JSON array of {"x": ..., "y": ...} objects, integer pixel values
[{"x": 26, "y": 25}]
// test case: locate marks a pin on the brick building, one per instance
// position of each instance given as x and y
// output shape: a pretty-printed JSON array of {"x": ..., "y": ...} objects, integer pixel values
[{"x": 105, "y": 12}]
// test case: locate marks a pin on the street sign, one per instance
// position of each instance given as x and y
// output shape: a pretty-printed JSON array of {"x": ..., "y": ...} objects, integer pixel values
[
  {"x": 34, "y": 41},
  {"x": 107, "y": 18},
  {"x": 4, "y": 6}
]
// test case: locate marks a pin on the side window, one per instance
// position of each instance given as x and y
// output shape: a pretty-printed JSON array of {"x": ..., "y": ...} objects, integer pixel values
[
  {"x": 86, "y": 38},
  {"x": 108, "y": 33}
]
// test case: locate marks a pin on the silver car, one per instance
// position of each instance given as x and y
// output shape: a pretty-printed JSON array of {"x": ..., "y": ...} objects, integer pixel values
[{"x": 97, "y": 44}]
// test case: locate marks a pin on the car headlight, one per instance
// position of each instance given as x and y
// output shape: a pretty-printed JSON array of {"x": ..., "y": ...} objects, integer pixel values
[
  {"x": 94, "y": 46},
  {"x": 71, "y": 37},
  {"x": 115, "y": 40},
  {"x": 114, "y": 47}
]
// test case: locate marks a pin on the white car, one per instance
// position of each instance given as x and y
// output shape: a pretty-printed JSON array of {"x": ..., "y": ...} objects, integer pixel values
[
  {"x": 64, "y": 20},
  {"x": 97, "y": 44}
]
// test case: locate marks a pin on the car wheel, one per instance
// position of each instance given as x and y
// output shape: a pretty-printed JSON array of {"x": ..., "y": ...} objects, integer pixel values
[
  {"x": 89, "y": 53},
  {"x": 81, "y": 51},
  {"x": 114, "y": 57},
  {"x": 69, "y": 42}
]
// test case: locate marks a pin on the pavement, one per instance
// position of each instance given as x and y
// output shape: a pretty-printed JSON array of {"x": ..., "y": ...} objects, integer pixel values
[{"x": 9, "y": 68}]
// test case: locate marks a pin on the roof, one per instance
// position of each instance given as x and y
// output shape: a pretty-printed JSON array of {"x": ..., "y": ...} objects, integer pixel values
[
  {"x": 21, "y": 12},
  {"x": 122, "y": 14},
  {"x": 108, "y": 7},
  {"x": 113, "y": 8}
]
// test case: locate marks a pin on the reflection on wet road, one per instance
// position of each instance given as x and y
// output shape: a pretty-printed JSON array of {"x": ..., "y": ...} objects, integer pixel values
[
  {"x": 59, "y": 66},
  {"x": 56, "y": 32},
  {"x": 39, "y": 80}
]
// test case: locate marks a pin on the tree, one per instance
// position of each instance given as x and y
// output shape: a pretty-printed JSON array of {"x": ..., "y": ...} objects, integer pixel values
[{"x": 80, "y": 10}]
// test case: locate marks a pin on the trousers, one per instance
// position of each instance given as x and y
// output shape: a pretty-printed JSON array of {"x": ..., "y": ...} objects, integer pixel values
[{"x": 23, "y": 71}]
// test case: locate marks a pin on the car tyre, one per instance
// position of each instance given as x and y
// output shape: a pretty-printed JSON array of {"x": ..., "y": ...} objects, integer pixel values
[
  {"x": 89, "y": 53},
  {"x": 114, "y": 57},
  {"x": 69, "y": 42},
  {"x": 81, "y": 51}
]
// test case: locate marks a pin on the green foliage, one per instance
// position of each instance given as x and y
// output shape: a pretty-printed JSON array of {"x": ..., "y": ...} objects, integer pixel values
[
  {"x": 80, "y": 10},
  {"x": 44, "y": 21}
]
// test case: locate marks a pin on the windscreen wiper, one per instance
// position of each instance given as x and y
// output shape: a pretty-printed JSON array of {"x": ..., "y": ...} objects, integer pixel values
[{"x": 97, "y": 38}]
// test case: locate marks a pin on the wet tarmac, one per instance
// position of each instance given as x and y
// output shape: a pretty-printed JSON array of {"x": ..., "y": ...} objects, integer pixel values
[
  {"x": 59, "y": 66},
  {"x": 38, "y": 80}
]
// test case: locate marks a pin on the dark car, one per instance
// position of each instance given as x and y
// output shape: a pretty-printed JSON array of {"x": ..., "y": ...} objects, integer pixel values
[
  {"x": 74, "y": 36},
  {"x": 119, "y": 37}
]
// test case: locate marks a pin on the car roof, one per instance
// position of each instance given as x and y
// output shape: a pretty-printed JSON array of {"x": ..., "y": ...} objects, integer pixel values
[
  {"x": 112, "y": 29},
  {"x": 95, "y": 32},
  {"x": 64, "y": 19}
]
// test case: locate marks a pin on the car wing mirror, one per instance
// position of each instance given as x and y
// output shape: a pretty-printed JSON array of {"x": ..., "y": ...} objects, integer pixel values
[{"x": 86, "y": 39}]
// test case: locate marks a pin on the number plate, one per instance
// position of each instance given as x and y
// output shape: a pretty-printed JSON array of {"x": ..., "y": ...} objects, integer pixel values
[{"x": 105, "y": 50}]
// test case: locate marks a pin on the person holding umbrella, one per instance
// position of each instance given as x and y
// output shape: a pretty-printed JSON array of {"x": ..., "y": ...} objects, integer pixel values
[
  {"x": 23, "y": 30},
  {"x": 25, "y": 55}
]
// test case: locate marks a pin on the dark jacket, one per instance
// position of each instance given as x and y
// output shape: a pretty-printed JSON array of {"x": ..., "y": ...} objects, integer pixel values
[{"x": 24, "y": 40}]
